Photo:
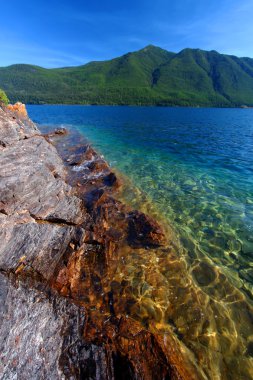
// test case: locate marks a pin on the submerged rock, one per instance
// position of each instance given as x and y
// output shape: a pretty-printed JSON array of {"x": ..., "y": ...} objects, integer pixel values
[{"x": 60, "y": 230}]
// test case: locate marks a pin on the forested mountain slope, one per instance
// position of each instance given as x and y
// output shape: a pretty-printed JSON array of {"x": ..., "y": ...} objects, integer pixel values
[{"x": 151, "y": 76}]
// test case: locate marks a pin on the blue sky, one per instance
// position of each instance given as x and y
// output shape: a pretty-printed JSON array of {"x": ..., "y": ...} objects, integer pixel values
[{"x": 58, "y": 33}]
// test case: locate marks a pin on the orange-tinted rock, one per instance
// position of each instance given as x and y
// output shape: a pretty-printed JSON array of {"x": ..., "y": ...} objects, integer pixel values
[{"x": 19, "y": 109}]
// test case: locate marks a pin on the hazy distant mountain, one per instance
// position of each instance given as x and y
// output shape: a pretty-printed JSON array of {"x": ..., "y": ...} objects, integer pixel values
[{"x": 149, "y": 76}]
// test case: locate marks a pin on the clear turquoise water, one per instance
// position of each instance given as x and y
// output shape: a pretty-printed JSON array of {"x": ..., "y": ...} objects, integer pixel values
[{"x": 195, "y": 166}]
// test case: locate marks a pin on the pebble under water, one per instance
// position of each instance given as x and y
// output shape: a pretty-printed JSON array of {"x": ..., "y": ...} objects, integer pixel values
[{"x": 193, "y": 170}]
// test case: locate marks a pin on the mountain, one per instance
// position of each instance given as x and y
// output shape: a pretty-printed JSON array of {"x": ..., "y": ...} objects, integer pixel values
[{"x": 150, "y": 76}]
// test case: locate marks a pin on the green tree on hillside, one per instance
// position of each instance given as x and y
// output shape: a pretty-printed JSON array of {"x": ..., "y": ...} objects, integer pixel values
[{"x": 3, "y": 98}]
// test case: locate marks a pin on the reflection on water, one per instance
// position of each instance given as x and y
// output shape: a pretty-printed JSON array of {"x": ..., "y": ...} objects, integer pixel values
[{"x": 192, "y": 170}]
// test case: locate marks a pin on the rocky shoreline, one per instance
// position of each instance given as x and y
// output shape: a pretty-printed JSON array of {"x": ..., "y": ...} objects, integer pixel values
[{"x": 61, "y": 229}]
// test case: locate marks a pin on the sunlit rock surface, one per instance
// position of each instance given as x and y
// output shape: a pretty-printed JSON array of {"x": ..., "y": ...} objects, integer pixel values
[
  {"x": 19, "y": 109},
  {"x": 62, "y": 316}
]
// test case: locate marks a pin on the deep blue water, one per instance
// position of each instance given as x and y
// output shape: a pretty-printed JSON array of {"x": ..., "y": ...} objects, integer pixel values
[{"x": 194, "y": 164}]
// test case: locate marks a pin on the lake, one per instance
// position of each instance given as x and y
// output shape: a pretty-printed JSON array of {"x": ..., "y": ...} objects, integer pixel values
[{"x": 193, "y": 169}]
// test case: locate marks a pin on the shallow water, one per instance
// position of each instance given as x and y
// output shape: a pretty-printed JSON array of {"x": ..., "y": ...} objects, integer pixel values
[{"x": 193, "y": 168}]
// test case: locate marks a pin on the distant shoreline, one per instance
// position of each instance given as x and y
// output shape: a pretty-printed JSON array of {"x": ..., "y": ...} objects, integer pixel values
[{"x": 136, "y": 105}]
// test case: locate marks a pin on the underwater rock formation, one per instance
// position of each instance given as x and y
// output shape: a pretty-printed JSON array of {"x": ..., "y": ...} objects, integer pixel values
[{"x": 60, "y": 229}]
